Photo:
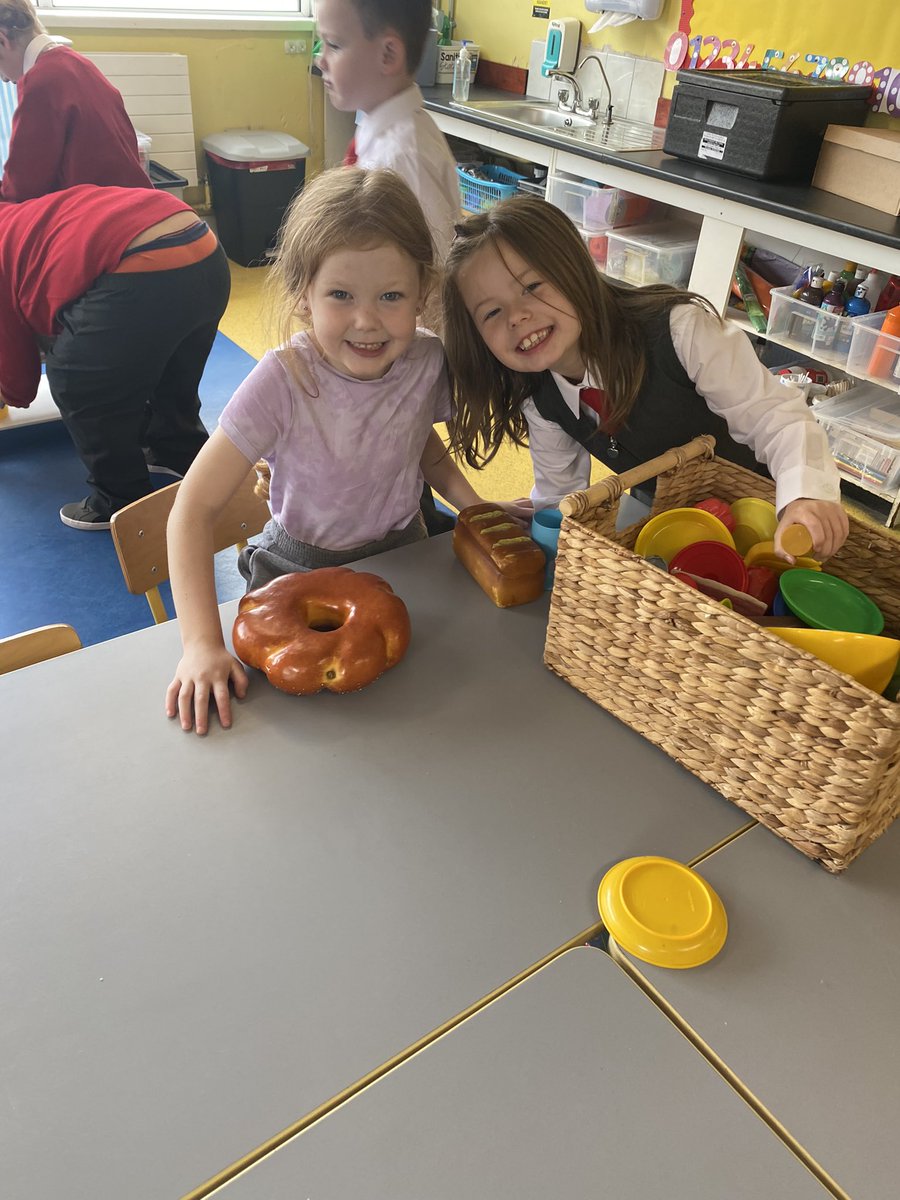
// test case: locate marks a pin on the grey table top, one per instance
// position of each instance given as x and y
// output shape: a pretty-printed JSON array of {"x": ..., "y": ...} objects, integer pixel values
[
  {"x": 204, "y": 939},
  {"x": 802, "y": 1003},
  {"x": 573, "y": 1084}
]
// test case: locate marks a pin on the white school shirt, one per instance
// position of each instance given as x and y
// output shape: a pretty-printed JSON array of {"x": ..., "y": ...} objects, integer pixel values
[
  {"x": 401, "y": 135},
  {"x": 760, "y": 411}
]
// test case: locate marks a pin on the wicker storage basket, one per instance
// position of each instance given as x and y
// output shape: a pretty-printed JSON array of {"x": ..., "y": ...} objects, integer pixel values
[{"x": 800, "y": 746}]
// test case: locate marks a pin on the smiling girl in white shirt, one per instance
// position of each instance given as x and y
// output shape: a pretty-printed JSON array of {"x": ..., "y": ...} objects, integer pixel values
[{"x": 544, "y": 349}]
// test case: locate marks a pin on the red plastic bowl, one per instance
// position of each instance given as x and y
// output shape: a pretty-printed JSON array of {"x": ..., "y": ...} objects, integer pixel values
[
  {"x": 712, "y": 560},
  {"x": 720, "y": 509}
]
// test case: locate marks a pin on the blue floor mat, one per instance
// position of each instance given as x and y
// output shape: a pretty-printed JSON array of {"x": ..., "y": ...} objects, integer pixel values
[{"x": 55, "y": 574}]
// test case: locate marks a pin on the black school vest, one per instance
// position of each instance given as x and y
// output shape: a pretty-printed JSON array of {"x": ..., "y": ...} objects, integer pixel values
[{"x": 667, "y": 412}]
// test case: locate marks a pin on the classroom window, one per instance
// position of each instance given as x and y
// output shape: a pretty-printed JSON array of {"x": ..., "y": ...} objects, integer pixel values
[{"x": 212, "y": 7}]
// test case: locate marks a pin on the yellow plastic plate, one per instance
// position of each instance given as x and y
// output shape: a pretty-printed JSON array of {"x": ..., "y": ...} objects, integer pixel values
[
  {"x": 763, "y": 555},
  {"x": 662, "y": 912},
  {"x": 668, "y": 532},
  {"x": 755, "y": 521}
]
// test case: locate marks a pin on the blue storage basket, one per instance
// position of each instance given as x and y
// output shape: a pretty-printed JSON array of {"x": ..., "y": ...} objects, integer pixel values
[{"x": 478, "y": 194}]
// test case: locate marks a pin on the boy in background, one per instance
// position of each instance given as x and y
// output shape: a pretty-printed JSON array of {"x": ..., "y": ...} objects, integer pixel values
[
  {"x": 70, "y": 125},
  {"x": 370, "y": 52}
]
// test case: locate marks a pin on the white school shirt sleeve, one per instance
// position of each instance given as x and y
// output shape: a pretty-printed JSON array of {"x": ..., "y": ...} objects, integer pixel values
[
  {"x": 761, "y": 412},
  {"x": 561, "y": 465}
]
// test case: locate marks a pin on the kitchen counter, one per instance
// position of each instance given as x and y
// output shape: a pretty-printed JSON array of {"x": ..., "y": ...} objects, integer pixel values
[{"x": 807, "y": 204}]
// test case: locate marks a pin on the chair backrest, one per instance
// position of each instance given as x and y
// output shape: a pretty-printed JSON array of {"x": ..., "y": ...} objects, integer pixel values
[
  {"x": 35, "y": 645},
  {"x": 139, "y": 535}
]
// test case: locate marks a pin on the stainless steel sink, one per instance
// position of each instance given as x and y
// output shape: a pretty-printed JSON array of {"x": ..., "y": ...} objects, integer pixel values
[
  {"x": 547, "y": 117},
  {"x": 530, "y": 112}
]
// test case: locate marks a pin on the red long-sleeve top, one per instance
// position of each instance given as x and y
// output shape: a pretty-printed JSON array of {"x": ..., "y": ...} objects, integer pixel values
[
  {"x": 51, "y": 251},
  {"x": 69, "y": 127}
]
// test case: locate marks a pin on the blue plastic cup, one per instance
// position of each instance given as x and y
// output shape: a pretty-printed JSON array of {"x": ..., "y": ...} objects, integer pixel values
[{"x": 545, "y": 531}]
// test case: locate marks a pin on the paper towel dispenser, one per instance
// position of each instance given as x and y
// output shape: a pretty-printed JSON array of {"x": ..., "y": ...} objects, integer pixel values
[{"x": 641, "y": 10}]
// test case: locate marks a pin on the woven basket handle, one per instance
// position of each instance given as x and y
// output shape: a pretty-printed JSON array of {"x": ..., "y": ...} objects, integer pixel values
[{"x": 608, "y": 491}]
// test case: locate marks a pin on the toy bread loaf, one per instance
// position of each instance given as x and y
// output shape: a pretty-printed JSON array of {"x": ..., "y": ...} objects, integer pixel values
[{"x": 499, "y": 555}]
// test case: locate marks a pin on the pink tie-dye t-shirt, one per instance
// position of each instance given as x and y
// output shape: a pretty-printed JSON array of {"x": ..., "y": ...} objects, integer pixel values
[{"x": 344, "y": 459}]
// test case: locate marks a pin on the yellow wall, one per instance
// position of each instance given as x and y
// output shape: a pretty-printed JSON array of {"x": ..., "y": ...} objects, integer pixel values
[
  {"x": 505, "y": 29},
  {"x": 238, "y": 80}
]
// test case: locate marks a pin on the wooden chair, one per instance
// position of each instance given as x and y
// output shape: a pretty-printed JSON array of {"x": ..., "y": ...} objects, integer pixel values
[
  {"x": 139, "y": 535},
  {"x": 36, "y": 645}
]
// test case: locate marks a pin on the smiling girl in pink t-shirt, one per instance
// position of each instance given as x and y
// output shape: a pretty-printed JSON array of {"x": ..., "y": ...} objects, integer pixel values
[{"x": 343, "y": 414}]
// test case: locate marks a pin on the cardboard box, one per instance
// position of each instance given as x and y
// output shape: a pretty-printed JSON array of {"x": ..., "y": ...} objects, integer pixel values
[{"x": 862, "y": 165}]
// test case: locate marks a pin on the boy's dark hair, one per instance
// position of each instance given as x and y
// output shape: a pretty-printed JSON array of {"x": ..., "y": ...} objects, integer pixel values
[{"x": 411, "y": 19}]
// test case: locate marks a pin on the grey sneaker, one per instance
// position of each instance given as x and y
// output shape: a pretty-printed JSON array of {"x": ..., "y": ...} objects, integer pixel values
[{"x": 80, "y": 515}]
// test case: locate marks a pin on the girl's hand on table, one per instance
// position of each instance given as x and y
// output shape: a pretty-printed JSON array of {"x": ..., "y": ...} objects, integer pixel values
[
  {"x": 825, "y": 520},
  {"x": 520, "y": 510},
  {"x": 204, "y": 675}
]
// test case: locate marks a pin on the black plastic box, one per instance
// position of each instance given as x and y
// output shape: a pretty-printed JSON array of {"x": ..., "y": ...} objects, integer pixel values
[
  {"x": 249, "y": 204},
  {"x": 766, "y": 124}
]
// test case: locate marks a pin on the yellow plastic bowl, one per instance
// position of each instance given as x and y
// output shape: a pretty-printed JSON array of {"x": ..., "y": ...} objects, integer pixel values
[
  {"x": 763, "y": 555},
  {"x": 755, "y": 521},
  {"x": 869, "y": 659},
  {"x": 662, "y": 912},
  {"x": 668, "y": 532}
]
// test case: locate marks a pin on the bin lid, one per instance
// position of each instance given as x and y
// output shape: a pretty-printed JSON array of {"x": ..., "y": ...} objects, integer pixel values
[
  {"x": 254, "y": 145},
  {"x": 780, "y": 86}
]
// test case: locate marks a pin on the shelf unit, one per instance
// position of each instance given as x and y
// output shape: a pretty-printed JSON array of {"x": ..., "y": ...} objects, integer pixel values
[{"x": 724, "y": 226}]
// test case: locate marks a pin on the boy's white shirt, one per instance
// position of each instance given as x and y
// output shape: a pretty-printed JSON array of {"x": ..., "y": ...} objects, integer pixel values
[
  {"x": 760, "y": 411},
  {"x": 401, "y": 135}
]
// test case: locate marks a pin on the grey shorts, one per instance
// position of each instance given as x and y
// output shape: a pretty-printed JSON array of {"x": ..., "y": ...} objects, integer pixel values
[{"x": 276, "y": 553}]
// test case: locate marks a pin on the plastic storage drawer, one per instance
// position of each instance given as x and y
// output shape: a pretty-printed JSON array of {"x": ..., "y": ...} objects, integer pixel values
[
  {"x": 597, "y": 246},
  {"x": 868, "y": 462},
  {"x": 874, "y": 354},
  {"x": 823, "y": 335},
  {"x": 646, "y": 254},
  {"x": 596, "y": 208}
]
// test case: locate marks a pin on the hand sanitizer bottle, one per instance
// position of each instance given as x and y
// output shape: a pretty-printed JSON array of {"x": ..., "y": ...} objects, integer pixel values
[{"x": 462, "y": 73}]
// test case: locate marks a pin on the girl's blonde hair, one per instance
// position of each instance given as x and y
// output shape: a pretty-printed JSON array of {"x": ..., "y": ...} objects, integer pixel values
[
  {"x": 19, "y": 21},
  {"x": 488, "y": 395},
  {"x": 346, "y": 208}
]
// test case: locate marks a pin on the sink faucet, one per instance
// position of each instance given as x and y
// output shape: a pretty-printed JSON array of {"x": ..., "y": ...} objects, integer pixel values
[
  {"x": 595, "y": 104},
  {"x": 563, "y": 96}
]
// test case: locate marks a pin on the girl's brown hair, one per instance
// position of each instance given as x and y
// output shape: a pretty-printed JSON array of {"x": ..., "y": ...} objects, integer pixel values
[
  {"x": 488, "y": 395},
  {"x": 345, "y": 208},
  {"x": 18, "y": 20}
]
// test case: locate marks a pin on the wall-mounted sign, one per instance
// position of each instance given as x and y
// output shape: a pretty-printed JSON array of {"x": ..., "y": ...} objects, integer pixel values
[
  {"x": 704, "y": 51},
  {"x": 541, "y": 10}
]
